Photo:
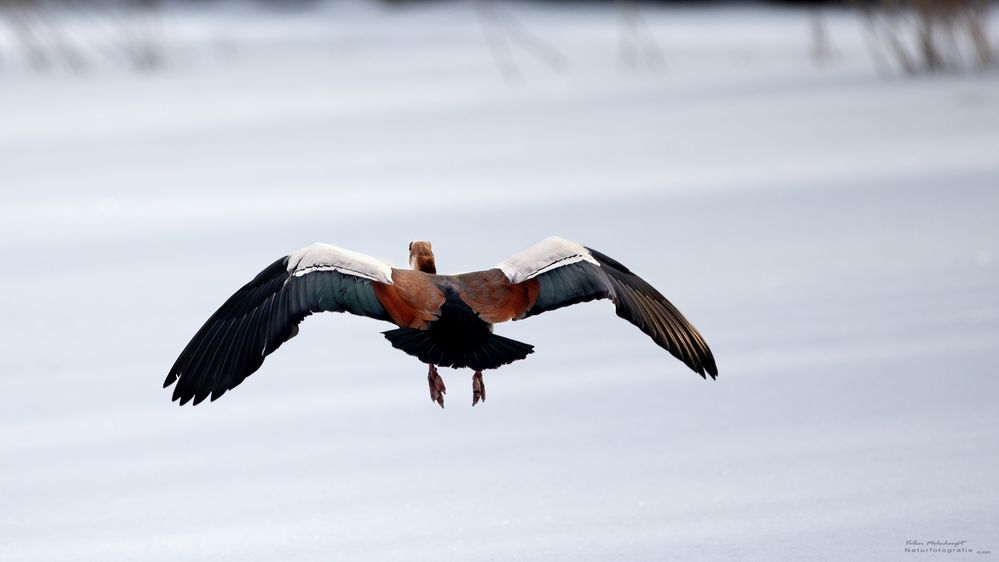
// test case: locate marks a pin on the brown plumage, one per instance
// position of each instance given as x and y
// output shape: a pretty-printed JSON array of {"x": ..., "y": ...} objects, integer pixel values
[
  {"x": 443, "y": 320},
  {"x": 413, "y": 300}
]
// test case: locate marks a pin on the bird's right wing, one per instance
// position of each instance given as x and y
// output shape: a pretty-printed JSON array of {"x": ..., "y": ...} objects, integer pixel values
[
  {"x": 555, "y": 273},
  {"x": 265, "y": 313}
]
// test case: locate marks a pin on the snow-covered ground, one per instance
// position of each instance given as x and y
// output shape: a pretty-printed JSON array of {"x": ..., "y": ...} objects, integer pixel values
[{"x": 833, "y": 232}]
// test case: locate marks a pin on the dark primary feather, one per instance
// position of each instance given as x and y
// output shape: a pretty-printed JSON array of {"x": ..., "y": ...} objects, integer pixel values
[
  {"x": 641, "y": 304},
  {"x": 634, "y": 300},
  {"x": 256, "y": 320}
]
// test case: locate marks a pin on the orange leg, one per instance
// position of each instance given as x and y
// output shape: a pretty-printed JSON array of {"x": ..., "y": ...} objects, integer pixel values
[
  {"x": 437, "y": 390},
  {"x": 478, "y": 388}
]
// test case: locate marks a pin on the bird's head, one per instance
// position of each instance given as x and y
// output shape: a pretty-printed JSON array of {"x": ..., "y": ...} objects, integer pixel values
[{"x": 421, "y": 256}]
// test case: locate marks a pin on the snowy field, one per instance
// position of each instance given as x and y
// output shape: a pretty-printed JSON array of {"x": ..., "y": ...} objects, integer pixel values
[{"x": 831, "y": 230}]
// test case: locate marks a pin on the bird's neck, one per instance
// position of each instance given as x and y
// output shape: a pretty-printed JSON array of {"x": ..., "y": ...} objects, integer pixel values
[{"x": 424, "y": 263}]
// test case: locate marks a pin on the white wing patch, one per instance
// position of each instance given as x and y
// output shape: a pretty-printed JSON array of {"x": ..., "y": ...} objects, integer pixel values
[
  {"x": 325, "y": 257},
  {"x": 549, "y": 254}
]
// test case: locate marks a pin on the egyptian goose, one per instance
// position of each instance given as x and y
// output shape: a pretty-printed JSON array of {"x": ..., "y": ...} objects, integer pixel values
[{"x": 443, "y": 320}]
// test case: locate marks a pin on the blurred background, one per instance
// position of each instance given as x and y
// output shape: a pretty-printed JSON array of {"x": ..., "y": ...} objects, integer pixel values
[{"x": 813, "y": 185}]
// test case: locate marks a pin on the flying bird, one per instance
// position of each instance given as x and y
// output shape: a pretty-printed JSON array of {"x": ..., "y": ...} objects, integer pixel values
[{"x": 442, "y": 320}]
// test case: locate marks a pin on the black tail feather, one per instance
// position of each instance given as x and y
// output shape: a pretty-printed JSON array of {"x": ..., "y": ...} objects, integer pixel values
[{"x": 494, "y": 352}]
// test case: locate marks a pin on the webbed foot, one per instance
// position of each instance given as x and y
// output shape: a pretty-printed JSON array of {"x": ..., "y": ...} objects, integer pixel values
[
  {"x": 437, "y": 390},
  {"x": 478, "y": 388}
]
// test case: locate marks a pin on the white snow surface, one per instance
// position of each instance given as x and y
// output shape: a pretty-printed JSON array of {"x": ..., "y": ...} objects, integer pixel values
[{"x": 831, "y": 230}]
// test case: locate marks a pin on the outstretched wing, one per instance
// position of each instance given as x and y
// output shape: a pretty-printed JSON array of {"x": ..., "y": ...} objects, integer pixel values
[
  {"x": 558, "y": 273},
  {"x": 265, "y": 313}
]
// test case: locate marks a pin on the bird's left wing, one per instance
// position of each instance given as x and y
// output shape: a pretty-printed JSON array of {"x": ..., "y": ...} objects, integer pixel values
[
  {"x": 555, "y": 273},
  {"x": 265, "y": 313}
]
